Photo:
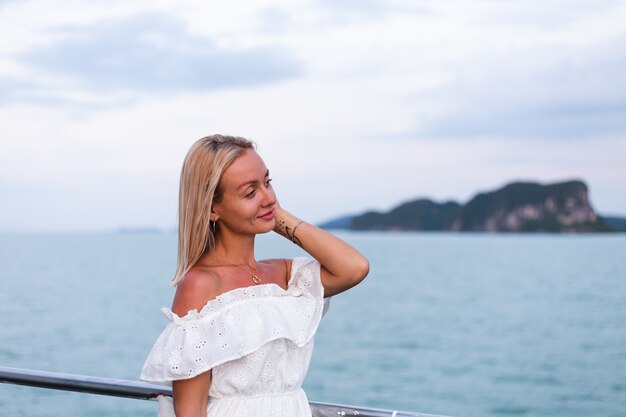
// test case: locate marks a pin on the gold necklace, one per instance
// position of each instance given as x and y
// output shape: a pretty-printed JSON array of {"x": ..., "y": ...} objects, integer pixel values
[{"x": 255, "y": 277}]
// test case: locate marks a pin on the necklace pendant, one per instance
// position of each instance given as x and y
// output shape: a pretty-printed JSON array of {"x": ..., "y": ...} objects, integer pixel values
[{"x": 256, "y": 279}]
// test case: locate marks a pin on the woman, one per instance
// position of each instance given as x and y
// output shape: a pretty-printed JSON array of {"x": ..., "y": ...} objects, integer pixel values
[{"x": 241, "y": 331}]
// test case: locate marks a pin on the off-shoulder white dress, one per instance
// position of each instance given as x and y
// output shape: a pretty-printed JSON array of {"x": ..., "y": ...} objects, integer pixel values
[{"x": 258, "y": 341}]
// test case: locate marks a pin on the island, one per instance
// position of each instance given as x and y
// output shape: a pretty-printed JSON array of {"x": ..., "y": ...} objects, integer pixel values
[{"x": 562, "y": 207}]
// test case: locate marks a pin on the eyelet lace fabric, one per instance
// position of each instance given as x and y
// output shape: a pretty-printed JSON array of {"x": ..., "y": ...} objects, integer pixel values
[{"x": 257, "y": 340}]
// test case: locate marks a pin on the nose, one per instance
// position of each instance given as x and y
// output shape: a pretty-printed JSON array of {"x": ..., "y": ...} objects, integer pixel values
[{"x": 269, "y": 198}]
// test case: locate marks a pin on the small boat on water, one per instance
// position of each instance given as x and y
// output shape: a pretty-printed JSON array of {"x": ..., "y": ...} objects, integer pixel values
[{"x": 144, "y": 391}]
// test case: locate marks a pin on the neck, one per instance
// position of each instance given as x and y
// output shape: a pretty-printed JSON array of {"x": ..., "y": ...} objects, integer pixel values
[{"x": 236, "y": 249}]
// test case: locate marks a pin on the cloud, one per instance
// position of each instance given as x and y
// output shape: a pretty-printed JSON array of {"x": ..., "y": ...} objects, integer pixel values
[
  {"x": 548, "y": 92},
  {"x": 8, "y": 88},
  {"x": 376, "y": 7},
  {"x": 144, "y": 53},
  {"x": 546, "y": 14},
  {"x": 273, "y": 20}
]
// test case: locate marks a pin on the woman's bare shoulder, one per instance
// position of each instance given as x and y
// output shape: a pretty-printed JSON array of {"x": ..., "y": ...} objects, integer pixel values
[
  {"x": 280, "y": 267},
  {"x": 196, "y": 288}
]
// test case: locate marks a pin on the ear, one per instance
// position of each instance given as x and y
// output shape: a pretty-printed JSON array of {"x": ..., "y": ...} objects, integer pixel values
[{"x": 214, "y": 216}]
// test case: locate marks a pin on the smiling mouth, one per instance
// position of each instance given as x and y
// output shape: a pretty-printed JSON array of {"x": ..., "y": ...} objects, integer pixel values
[{"x": 268, "y": 215}]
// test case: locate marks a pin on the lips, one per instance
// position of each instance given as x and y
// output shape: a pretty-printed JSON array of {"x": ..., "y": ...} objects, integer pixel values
[{"x": 267, "y": 216}]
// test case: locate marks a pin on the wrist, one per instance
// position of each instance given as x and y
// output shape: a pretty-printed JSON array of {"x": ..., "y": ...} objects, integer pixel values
[{"x": 287, "y": 226}]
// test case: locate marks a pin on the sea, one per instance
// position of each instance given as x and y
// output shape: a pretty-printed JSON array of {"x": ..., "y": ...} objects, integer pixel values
[{"x": 455, "y": 324}]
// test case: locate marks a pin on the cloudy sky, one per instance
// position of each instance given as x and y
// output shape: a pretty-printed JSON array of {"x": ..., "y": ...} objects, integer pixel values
[{"x": 354, "y": 104}]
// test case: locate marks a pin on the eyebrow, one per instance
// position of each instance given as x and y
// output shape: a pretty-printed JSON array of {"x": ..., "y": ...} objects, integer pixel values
[{"x": 267, "y": 174}]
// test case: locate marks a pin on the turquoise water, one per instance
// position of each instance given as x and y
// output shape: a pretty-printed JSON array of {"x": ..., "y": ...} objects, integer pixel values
[{"x": 454, "y": 324}]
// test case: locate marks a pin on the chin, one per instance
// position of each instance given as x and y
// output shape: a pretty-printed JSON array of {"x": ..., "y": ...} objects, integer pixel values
[{"x": 268, "y": 227}]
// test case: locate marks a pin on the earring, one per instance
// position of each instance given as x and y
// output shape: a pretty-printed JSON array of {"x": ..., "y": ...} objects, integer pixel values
[{"x": 213, "y": 225}]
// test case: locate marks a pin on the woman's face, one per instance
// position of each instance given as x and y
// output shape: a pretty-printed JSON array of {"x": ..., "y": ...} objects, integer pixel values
[{"x": 247, "y": 198}]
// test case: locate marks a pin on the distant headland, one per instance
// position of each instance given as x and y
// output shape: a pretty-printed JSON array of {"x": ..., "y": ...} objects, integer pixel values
[{"x": 517, "y": 207}]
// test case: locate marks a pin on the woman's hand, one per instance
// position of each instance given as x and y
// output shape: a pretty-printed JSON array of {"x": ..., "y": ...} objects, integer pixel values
[{"x": 343, "y": 266}]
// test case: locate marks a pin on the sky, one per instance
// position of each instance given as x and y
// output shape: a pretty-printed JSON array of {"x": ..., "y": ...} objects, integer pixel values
[{"x": 354, "y": 105}]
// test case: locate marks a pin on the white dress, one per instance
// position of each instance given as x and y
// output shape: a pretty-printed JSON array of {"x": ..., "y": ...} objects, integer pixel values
[{"x": 258, "y": 341}]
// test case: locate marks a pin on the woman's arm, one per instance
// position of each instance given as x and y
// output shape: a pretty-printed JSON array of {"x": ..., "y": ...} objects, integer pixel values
[
  {"x": 343, "y": 267},
  {"x": 192, "y": 292},
  {"x": 191, "y": 395}
]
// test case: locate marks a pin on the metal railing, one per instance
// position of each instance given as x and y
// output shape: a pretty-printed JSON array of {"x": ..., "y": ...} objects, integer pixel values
[{"x": 144, "y": 391}]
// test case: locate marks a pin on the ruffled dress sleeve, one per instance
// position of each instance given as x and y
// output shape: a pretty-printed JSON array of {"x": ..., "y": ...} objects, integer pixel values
[{"x": 237, "y": 323}]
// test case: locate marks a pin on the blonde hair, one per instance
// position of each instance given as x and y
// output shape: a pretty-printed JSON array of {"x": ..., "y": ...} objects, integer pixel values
[{"x": 199, "y": 181}]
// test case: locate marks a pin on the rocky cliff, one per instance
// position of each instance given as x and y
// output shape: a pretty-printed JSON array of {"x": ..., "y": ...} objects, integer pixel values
[{"x": 531, "y": 207}]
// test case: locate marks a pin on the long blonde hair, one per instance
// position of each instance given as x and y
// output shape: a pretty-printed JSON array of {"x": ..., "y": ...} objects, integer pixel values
[{"x": 199, "y": 180}]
